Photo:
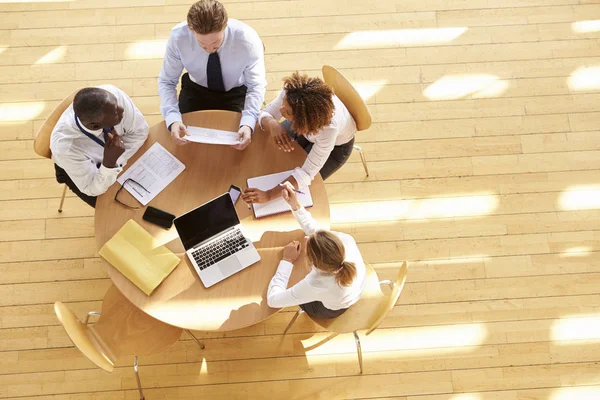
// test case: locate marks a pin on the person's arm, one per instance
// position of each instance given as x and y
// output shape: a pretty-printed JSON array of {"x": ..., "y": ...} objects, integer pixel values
[
  {"x": 87, "y": 177},
  {"x": 135, "y": 128},
  {"x": 256, "y": 83},
  {"x": 305, "y": 219},
  {"x": 317, "y": 157},
  {"x": 278, "y": 294},
  {"x": 167, "y": 83},
  {"x": 271, "y": 112}
]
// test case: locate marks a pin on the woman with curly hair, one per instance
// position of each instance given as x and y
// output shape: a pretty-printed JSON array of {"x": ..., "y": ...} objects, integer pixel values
[{"x": 315, "y": 119}]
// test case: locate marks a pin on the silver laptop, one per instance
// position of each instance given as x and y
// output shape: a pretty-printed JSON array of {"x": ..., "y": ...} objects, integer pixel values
[{"x": 213, "y": 240}]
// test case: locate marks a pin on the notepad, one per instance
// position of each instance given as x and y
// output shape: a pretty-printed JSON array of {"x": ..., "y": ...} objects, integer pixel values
[
  {"x": 133, "y": 251},
  {"x": 154, "y": 170},
  {"x": 278, "y": 205}
]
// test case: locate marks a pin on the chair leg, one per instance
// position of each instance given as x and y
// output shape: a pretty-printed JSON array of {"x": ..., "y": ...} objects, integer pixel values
[
  {"x": 62, "y": 199},
  {"x": 199, "y": 343},
  {"x": 359, "y": 351},
  {"x": 137, "y": 377},
  {"x": 362, "y": 158},
  {"x": 294, "y": 318}
]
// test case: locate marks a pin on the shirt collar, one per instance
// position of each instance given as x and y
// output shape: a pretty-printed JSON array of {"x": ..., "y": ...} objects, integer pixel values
[{"x": 97, "y": 132}]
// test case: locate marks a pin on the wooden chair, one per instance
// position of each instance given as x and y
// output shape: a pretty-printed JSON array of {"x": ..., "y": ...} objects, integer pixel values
[
  {"x": 367, "y": 313},
  {"x": 41, "y": 144},
  {"x": 121, "y": 330},
  {"x": 353, "y": 102}
]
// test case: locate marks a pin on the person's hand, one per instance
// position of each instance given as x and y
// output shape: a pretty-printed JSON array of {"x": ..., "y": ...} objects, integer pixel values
[
  {"x": 280, "y": 136},
  {"x": 252, "y": 195},
  {"x": 244, "y": 138},
  {"x": 178, "y": 131},
  {"x": 113, "y": 148},
  {"x": 289, "y": 195},
  {"x": 291, "y": 252}
]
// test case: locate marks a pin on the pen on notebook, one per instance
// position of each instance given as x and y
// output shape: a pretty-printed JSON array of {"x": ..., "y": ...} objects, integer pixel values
[{"x": 295, "y": 190}]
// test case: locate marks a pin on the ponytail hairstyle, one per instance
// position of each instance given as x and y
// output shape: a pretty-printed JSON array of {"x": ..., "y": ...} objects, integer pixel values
[{"x": 326, "y": 252}]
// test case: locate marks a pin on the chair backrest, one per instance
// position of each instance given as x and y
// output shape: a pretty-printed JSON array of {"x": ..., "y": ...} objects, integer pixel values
[
  {"x": 349, "y": 96},
  {"x": 121, "y": 330},
  {"x": 370, "y": 310},
  {"x": 82, "y": 338},
  {"x": 41, "y": 144},
  {"x": 362, "y": 314},
  {"x": 391, "y": 300}
]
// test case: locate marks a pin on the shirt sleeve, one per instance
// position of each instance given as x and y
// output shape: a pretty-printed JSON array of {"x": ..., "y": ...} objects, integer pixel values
[
  {"x": 324, "y": 144},
  {"x": 167, "y": 83},
  {"x": 256, "y": 83},
  {"x": 87, "y": 177},
  {"x": 135, "y": 129},
  {"x": 305, "y": 219},
  {"x": 272, "y": 109},
  {"x": 278, "y": 295}
]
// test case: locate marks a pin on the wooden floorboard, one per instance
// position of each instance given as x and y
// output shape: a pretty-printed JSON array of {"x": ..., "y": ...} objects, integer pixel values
[{"x": 484, "y": 174}]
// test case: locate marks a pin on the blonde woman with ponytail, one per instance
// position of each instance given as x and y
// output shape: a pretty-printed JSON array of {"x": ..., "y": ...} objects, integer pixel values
[{"x": 337, "y": 278}]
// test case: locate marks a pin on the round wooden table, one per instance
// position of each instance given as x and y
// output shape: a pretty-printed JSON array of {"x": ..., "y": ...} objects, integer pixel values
[{"x": 240, "y": 300}]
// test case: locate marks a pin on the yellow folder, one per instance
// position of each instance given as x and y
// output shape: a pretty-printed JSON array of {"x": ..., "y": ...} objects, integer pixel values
[{"x": 133, "y": 252}]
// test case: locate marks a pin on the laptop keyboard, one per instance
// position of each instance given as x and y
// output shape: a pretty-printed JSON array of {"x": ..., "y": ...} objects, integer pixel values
[{"x": 220, "y": 249}]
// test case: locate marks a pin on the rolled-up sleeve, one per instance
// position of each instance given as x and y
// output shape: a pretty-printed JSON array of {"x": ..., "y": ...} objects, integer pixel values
[
  {"x": 167, "y": 83},
  {"x": 256, "y": 82},
  {"x": 321, "y": 149}
]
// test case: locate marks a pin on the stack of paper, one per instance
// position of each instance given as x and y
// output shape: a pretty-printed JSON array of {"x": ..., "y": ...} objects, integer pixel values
[
  {"x": 153, "y": 171},
  {"x": 133, "y": 252}
]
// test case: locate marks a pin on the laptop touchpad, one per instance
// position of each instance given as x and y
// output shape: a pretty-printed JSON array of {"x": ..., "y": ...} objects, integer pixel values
[{"x": 230, "y": 266}]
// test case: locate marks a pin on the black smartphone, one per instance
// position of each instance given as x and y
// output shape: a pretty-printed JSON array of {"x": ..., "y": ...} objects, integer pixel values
[
  {"x": 234, "y": 192},
  {"x": 158, "y": 217}
]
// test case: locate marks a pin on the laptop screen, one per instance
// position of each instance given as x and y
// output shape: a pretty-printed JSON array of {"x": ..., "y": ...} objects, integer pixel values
[{"x": 206, "y": 221}]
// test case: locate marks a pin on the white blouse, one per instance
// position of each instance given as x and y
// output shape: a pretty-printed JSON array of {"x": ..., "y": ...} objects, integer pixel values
[
  {"x": 340, "y": 131},
  {"x": 317, "y": 286}
]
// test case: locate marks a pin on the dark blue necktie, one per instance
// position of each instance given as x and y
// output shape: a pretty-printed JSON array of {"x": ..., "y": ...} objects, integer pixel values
[{"x": 214, "y": 75}]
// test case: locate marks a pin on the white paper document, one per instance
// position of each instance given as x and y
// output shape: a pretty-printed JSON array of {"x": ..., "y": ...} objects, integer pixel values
[
  {"x": 211, "y": 136},
  {"x": 154, "y": 170},
  {"x": 278, "y": 205}
]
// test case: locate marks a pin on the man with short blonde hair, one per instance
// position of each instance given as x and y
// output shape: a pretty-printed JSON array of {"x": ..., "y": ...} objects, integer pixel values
[{"x": 224, "y": 59}]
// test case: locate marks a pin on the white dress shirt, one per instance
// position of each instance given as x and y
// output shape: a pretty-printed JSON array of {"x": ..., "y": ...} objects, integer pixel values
[
  {"x": 317, "y": 286},
  {"x": 79, "y": 155},
  {"x": 242, "y": 63},
  {"x": 340, "y": 131}
]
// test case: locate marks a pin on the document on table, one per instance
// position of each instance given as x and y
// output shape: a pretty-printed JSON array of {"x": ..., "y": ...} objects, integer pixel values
[
  {"x": 154, "y": 170},
  {"x": 211, "y": 136}
]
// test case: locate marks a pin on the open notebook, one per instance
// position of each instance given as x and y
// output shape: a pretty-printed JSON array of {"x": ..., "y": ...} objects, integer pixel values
[
  {"x": 133, "y": 252},
  {"x": 279, "y": 205}
]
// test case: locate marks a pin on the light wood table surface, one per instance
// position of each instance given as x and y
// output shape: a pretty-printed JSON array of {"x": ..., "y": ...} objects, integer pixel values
[{"x": 240, "y": 300}]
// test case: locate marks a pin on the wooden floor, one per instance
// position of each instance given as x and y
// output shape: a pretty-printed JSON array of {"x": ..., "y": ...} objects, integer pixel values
[{"x": 485, "y": 176}]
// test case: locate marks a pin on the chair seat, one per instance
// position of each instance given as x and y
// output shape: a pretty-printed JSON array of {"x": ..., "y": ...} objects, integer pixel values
[{"x": 362, "y": 314}]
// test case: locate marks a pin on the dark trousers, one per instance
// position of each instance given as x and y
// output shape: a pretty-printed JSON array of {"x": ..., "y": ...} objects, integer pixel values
[
  {"x": 194, "y": 97},
  {"x": 62, "y": 177},
  {"x": 318, "y": 310},
  {"x": 338, "y": 156}
]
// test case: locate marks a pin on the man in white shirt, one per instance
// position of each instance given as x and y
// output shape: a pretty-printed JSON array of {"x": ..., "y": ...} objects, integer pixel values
[
  {"x": 94, "y": 138},
  {"x": 224, "y": 59}
]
